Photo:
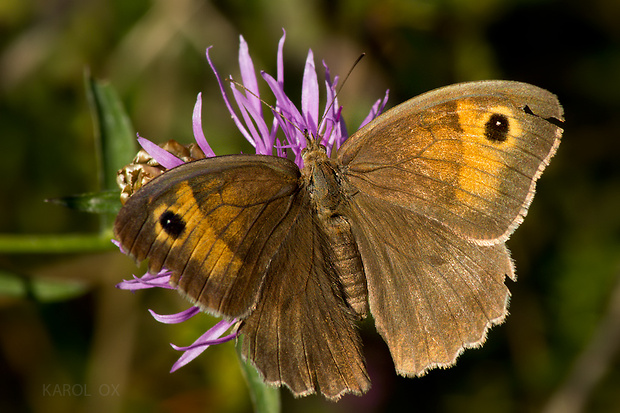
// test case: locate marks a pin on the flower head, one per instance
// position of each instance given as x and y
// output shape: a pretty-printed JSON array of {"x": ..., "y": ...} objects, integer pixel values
[{"x": 264, "y": 135}]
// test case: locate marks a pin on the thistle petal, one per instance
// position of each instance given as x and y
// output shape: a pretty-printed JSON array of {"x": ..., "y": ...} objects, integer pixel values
[
  {"x": 211, "y": 337},
  {"x": 310, "y": 96},
  {"x": 233, "y": 114},
  {"x": 376, "y": 109},
  {"x": 159, "y": 280},
  {"x": 248, "y": 77},
  {"x": 197, "y": 128},
  {"x": 175, "y": 318},
  {"x": 162, "y": 156}
]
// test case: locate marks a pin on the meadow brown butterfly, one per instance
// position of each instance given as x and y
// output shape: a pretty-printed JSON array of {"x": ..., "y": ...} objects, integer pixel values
[{"x": 409, "y": 221}]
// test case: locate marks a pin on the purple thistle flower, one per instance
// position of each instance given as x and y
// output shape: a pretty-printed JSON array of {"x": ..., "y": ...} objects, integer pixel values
[{"x": 262, "y": 134}]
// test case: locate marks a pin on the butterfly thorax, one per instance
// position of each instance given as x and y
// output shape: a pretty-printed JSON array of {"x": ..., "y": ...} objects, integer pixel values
[{"x": 321, "y": 179}]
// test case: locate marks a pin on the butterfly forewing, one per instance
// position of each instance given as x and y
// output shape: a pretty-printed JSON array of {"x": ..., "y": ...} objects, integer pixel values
[
  {"x": 466, "y": 155},
  {"x": 215, "y": 223}
]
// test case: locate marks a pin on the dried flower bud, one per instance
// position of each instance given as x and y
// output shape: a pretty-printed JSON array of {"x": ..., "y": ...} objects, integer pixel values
[{"x": 143, "y": 168}]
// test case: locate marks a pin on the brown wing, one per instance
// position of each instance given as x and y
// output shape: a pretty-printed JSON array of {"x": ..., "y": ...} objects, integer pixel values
[
  {"x": 215, "y": 223},
  {"x": 466, "y": 155},
  {"x": 437, "y": 185},
  {"x": 431, "y": 293},
  {"x": 241, "y": 240},
  {"x": 302, "y": 332}
]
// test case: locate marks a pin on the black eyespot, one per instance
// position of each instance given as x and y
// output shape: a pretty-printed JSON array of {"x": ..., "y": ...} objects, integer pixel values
[
  {"x": 172, "y": 223},
  {"x": 497, "y": 127}
]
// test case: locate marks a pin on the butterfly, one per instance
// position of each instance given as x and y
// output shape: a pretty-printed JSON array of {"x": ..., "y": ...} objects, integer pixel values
[{"x": 408, "y": 222}]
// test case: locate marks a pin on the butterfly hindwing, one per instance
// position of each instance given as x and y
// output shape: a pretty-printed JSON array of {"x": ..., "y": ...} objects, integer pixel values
[
  {"x": 431, "y": 293},
  {"x": 303, "y": 332}
]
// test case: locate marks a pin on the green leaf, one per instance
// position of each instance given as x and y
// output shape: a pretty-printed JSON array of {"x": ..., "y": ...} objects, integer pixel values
[
  {"x": 116, "y": 138},
  {"x": 265, "y": 398},
  {"x": 105, "y": 202},
  {"x": 114, "y": 134}
]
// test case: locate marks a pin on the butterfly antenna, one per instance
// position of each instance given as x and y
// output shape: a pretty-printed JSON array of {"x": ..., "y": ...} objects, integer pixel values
[
  {"x": 359, "y": 59},
  {"x": 234, "y": 82},
  {"x": 333, "y": 102}
]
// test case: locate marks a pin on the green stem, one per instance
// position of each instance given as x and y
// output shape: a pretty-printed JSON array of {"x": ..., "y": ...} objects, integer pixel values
[
  {"x": 265, "y": 398},
  {"x": 55, "y": 243}
]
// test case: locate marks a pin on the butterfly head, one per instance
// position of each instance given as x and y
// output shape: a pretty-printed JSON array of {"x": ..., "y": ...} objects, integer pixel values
[{"x": 313, "y": 152}]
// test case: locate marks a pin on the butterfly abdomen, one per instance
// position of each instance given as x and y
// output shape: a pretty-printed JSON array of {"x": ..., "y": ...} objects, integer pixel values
[
  {"x": 348, "y": 263},
  {"x": 323, "y": 181}
]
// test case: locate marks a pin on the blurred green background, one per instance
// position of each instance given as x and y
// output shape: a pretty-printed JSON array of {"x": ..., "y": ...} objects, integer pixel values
[{"x": 70, "y": 341}]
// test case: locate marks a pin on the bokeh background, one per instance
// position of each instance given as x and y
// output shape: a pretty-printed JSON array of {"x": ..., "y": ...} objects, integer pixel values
[{"x": 70, "y": 341}]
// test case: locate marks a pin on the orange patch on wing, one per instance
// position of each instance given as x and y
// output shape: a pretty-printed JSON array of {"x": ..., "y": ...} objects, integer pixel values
[{"x": 482, "y": 160}]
